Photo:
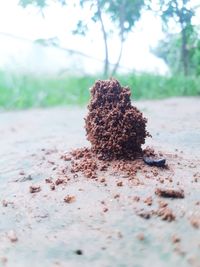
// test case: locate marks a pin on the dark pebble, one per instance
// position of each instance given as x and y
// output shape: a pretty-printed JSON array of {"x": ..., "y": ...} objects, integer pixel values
[
  {"x": 154, "y": 162},
  {"x": 79, "y": 252}
]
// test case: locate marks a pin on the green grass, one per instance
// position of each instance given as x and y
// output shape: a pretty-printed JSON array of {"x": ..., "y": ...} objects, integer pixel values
[{"x": 26, "y": 91}]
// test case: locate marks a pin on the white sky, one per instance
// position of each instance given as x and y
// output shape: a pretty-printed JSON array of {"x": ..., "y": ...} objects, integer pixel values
[{"x": 60, "y": 21}]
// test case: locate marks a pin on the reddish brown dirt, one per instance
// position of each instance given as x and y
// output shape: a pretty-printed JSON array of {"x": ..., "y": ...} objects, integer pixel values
[{"x": 114, "y": 127}]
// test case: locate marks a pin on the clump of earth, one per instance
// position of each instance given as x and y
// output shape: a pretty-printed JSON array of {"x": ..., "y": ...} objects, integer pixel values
[{"x": 115, "y": 128}]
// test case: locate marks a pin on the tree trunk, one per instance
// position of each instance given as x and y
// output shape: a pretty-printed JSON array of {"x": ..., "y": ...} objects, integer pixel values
[
  {"x": 118, "y": 60},
  {"x": 106, "y": 64},
  {"x": 183, "y": 24},
  {"x": 184, "y": 51},
  {"x": 121, "y": 17}
]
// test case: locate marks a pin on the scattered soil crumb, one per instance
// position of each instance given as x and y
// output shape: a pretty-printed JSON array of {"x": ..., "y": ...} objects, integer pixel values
[
  {"x": 140, "y": 236},
  {"x": 162, "y": 204},
  {"x": 59, "y": 181},
  {"x": 69, "y": 199},
  {"x": 85, "y": 162},
  {"x": 144, "y": 214},
  {"x": 34, "y": 189},
  {"x": 148, "y": 201},
  {"x": 5, "y": 203},
  {"x": 48, "y": 180},
  {"x": 105, "y": 209},
  {"x": 12, "y": 236},
  {"x": 120, "y": 183},
  {"x": 66, "y": 157},
  {"x": 166, "y": 214},
  {"x": 195, "y": 222},
  {"x": 136, "y": 198},
  {"x": 176, "y": 239},
  {"x": 169, "y": 193},
  {"x": 52, "y": 187}
]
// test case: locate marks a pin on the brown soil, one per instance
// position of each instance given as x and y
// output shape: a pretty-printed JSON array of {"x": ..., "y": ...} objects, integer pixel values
[
  {"x": 114, "y": 127},
  {"x": 165, "y": 192}
]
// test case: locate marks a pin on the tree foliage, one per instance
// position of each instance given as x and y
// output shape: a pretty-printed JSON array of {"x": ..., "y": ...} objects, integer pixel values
[
  {"x": 38, "y": 3},
  {"x": 122, "y": 13},
  {"x": 181, "y": 12},
  {"x": 169, "y": 50}
]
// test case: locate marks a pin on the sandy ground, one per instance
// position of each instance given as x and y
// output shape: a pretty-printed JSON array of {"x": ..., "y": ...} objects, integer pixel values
[{"x": 98, "y": 228}]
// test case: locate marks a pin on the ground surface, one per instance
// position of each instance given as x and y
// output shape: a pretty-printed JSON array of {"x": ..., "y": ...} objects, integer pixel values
[{"x": 40, "y": 229}]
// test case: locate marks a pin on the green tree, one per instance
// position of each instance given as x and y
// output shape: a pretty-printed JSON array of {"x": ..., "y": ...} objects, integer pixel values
[
  {"x": 181, "y": 12},
  {"x": 169, "y": 50},
  {"x": 123, "y": 14},
  {"x": 38, "y": 3}
]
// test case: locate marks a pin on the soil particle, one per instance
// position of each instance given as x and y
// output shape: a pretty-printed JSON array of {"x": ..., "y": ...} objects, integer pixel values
[
  {"x": 196, "y": 177},
  {"x": 140, "y": 236},
  {"x": 52, "y": 187},
  {"x": 59, "y": 181},
  {"x": 195, "y": 222},
  {"x": 66, "y": 157},
  {"x": 166, "y": 214},
  {"x": 69, "y": 199},
  {"x": 136, "y": 198},
  {"x": 120, "y": 183},
  {"x": 162, "y": 204},
  {"x": 105, "y": 209},
  {"x": 148, "y": 201},
  {"x": 148, "y": 152},
  {"x": 48, "y": 180},
  {"x": 175, "y": 239},
  {"x": 169, "y": 193},
  {"x": 144, "y": 214},
  {"x": 12, "y": 236},
  {"x": 4, "y": 203},
  {"x": 34, "y": 189}
]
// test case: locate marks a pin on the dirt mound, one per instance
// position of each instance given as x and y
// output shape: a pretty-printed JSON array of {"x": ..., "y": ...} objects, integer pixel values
[{"x": 114, "y": 127}]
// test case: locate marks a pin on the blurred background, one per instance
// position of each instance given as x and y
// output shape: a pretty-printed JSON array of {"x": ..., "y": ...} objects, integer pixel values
[{"x": 52, "y": 51}]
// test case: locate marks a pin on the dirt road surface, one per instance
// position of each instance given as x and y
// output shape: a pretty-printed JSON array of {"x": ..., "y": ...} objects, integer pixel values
[{"x": 103, "y": 224}]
